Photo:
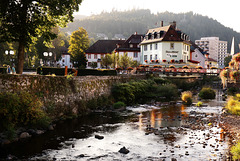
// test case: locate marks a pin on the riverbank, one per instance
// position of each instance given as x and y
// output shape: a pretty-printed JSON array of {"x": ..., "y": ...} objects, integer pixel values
[{"x": 231, "y": 125}]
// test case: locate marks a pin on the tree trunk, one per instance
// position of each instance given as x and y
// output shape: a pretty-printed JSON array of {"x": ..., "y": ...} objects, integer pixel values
[{"x": 21, "y": 52}]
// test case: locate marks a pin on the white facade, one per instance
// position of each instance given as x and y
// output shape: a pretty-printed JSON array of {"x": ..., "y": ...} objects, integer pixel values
[
  {"x": 65, "y": 61},
  {"x": 94, "y": 58},
  {"x": 198, "y": 56},
  {"x": 135, "y": 56},
  {"x": 215, "y": 48},
  {"x": 165, "y": 50}
]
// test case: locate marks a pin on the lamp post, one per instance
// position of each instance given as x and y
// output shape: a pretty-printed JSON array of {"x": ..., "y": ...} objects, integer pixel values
[
  {"x": 48, "y": 54},
  {"x": 10, "y": 53}
]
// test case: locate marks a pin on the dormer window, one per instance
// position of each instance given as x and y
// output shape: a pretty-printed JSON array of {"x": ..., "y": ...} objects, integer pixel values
[
  {"x": 161, "y": 33},
  {"x": 155, "y": 35},
  {"x": 131, "y": 45}
]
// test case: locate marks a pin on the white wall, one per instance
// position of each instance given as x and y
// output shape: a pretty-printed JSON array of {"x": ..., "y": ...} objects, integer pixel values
[{"x": 198, "y": 56}]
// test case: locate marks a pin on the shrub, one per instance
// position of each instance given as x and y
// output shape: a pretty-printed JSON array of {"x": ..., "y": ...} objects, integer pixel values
[
  {"x": 232, "y": 90},
  {"x": 233, "y": 106},
  {"x": 22, "y": 108},
  {"x": 118, "y": 105},
  {"x": 167, "y": 91},
  {"x": 199, "y": 104},
  {"x": 235, "y": 151},
  {"x": 207, "y": 93},
  {"x": 186, "y": 97}
]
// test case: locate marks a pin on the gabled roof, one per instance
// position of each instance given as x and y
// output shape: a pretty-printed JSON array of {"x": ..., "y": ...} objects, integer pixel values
[
  {"x": 166, "y": 33},
  {"x": 195, "y": 46},
  {"x": 133, "y": 40},
  {"x": 104, "y": 46},
  {"x": 211, "y": 59}
]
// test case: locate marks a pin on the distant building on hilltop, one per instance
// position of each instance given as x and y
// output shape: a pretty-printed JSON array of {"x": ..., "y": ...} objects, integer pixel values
[
  {"x": 165, "y": 43},
  {"x": 216, "y": 49}
]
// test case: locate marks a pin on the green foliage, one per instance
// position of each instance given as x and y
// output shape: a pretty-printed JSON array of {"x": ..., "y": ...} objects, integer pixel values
[
  {"x": 125, "y": 61},
  {"x": 141, "y": 20},
  {"x": 227, "y": 60},
  {"x": 92, "y": 104},
  {"x": 232, "y": 90},
  {"x": 207, "y": 93},
  {"x": 106, "y": 61},
  {"x": 118, "y": 105},
  {"x": 235, "y": 151},
  {"x": 79, "y": 43},
  {"x": 25, "y": 21},
  {"x": 93, "y": 65},
  {"x": 143, "y": 91},
  {"x": 167, "y": 91},
  {"x": 3, "y": 70},
  {"x": 160, "y": 81},
  {"x": 21, "y": 109}
]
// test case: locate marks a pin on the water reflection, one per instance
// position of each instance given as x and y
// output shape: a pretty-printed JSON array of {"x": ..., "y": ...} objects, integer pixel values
[{"x": 149, "y": 132}]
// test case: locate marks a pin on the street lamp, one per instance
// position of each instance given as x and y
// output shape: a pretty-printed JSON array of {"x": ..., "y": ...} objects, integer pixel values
[
  {"x": 10, "y": 53},
  {"x": 46, "y": 54}
]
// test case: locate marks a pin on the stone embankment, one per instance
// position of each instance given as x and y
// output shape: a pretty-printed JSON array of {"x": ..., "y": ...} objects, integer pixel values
[{"x": 62, "y": 93}]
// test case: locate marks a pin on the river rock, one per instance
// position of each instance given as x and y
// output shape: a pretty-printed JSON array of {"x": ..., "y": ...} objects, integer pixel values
[
  {"x": 24, "y": 135},
  {"x": 50, "y": 127},
  {"x": 99, "y": 137},
  {"x": 123, "y": 150}
]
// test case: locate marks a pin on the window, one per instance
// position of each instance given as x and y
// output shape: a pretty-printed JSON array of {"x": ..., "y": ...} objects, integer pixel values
[
  {"x": 135, "y": 55},
  {"x": 150, "y": 46},
  {"x": 196, "y": 55},
  {"x": 89, "y": 64},
  {"x": 89, "y": 56},
  {"x": 156, "y": 46},
  {"x": 145, "y": 47},
  {"x": 95, "y": 56},
  {"x": 131, "y": 45},
  {"x": 171, "y": 45},
  {"x": 145, "y": 57},
  {"x": 155, "y": 56},
  {"x": 150, "y": 57}
]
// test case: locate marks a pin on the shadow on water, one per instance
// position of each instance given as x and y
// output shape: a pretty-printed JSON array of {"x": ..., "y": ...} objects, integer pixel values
[{"x": 78, "y": 128}]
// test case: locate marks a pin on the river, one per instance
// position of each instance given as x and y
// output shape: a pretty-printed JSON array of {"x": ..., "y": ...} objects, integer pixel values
[{"x": 149, "y": 132}]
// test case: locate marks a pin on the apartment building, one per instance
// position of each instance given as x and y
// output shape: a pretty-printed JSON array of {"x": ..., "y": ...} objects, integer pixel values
[{"x": 215, "y": 48}]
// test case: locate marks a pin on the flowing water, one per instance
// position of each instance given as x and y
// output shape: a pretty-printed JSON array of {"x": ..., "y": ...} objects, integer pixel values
[{"x": 149, "y": 132}]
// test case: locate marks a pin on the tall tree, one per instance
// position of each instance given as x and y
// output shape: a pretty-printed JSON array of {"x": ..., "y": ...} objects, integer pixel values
[
  {"x": 23, "y": 20},
  {"x": 79, "y": 43}
]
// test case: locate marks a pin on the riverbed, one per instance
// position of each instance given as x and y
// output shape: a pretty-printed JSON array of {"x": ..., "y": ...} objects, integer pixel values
[{"x": 148, "y": 132}]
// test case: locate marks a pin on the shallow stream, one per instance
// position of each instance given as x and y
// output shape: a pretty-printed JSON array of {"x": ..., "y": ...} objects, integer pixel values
[{"x": 149, "y": 132}]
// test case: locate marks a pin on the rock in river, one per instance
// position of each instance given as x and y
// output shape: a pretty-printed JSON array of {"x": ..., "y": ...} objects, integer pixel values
[
  {"x": 123, "y": 150},
  {"x": 99, "y": 137}
]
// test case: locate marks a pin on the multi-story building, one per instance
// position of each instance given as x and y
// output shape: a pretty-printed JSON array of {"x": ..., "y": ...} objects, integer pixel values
[
  {"x": 131, "y": 47},
  {"x": 103, "y": 47},
  {"x": 216, "y": 48},
  {"x": 165, "y": 43},
  {"x": 100, "y": 48}
]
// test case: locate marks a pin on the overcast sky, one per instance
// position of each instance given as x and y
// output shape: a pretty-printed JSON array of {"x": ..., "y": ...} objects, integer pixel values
[{"x": 225, "y": 12}]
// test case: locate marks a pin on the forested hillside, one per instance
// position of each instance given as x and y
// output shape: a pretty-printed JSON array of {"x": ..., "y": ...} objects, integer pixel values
[{"x": 128, "y": 22}]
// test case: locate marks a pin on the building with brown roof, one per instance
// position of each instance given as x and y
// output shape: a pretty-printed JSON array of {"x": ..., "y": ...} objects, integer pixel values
[
  {"x": 131, "y": 47},
  {"x": 165, "y": 43},
  {"x": 99, "y": 49}
]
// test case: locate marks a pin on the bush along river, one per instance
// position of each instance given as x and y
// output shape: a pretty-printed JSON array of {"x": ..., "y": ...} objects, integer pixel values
[{"x": 145, "y": 132}]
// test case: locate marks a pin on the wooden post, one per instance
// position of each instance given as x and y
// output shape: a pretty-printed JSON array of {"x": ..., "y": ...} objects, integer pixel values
[{"x": 66, "y": 70}]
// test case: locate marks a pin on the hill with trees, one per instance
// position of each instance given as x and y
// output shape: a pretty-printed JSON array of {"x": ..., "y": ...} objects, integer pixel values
[{"x": 129, "y": 22}]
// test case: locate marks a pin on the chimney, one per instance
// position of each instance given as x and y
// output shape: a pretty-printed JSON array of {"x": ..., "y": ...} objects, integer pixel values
[
  {"x": 161, "y": 23},
  {"x": 173, "y": 24},
  {"x": 135, "y": 33}
]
